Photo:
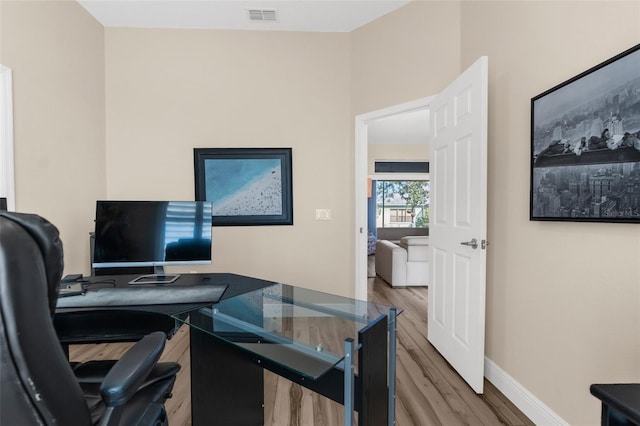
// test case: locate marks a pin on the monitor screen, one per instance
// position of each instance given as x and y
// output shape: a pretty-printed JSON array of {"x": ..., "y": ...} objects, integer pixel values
[{"x": 152, "y": 233}]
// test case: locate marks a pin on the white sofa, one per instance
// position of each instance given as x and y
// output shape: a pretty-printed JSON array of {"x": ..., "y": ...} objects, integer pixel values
[{"x": 404, "y": 264}]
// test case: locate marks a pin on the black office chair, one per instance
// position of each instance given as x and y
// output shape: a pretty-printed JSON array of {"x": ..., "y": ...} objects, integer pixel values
[{"x": 37, "y": 384}]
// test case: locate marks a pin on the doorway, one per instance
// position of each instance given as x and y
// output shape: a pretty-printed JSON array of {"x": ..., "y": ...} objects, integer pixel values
[
  {"x": 372, "y": 122},
  {"x": 457, "y": 263}
]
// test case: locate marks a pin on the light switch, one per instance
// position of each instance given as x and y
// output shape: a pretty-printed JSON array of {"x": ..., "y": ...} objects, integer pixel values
[{"x": 323, "y": 214}]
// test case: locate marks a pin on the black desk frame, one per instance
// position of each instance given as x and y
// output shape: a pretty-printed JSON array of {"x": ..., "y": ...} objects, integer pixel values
[
  {"x": 227, "y": 385},
  {"x": 620, "y": 403},
  {"x": 234, "y": 394},
  {"x": 129, "y": 324}
]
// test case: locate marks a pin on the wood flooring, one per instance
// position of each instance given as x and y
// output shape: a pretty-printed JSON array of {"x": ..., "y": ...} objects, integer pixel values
[{"x": 429, "y": 391}]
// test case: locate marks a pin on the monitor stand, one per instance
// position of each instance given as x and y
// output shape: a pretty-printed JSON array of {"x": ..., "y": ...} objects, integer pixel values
[{"x": 158, "y": 277}]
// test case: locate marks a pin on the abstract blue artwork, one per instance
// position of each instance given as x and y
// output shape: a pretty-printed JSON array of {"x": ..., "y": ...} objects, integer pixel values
[{"x": 247, "y": 186}]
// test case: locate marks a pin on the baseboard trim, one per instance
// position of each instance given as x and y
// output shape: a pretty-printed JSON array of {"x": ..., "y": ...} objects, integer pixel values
[{"x": 531, "y": 406}]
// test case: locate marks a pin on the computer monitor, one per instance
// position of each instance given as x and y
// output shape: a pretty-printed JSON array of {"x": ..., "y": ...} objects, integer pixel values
[{"x": 152, "y": 233}]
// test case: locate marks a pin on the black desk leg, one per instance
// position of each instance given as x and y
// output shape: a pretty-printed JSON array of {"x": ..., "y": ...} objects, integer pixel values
[
  {"x": 611, "y": 417},
  {"x": 372, "y": 367},
  {"x": 227, "y": 388}
]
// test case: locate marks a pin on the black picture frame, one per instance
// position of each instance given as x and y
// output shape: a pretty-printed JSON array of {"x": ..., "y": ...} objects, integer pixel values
[
  {"x": 248, "y": 186},
  {"x": 585, "y": 145}
]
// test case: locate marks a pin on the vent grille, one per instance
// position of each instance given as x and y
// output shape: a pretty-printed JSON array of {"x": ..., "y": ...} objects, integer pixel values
[{"x": 263, "y": 15}]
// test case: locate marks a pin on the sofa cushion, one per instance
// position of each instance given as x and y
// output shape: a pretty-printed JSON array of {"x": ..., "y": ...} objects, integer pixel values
[
  {"x": 417, "y": 248},
  {"x": 414, "y": 241},
  {"x": 394, "y": 234}
]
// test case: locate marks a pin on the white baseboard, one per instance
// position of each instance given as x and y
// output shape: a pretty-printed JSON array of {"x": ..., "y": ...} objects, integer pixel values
[{"x": 531, "y": 406}]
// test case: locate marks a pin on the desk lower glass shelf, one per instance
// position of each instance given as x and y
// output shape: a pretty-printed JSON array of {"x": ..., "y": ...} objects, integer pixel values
[{"x": 298, "y": 329}]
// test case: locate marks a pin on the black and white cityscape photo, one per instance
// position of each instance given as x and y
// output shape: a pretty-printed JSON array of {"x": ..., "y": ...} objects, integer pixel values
[{"x": 585, "y": 137}]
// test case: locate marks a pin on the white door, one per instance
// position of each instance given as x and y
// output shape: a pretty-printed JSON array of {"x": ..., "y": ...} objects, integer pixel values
[{"x": 458, "y": 223}]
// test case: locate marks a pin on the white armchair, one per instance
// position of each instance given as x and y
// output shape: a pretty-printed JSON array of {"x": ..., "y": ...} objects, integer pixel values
[{"x": 406, "y": 264}]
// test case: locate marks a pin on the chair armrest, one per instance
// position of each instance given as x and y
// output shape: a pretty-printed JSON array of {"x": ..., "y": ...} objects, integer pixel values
[
  {"x": 128, "y": 374},
  {"x": 391, "y": 263}
]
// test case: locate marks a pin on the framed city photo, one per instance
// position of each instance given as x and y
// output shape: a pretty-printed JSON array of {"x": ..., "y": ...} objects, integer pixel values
[
  {"x": 248, "y": 186},
  {"x": 585, "y": 145}
]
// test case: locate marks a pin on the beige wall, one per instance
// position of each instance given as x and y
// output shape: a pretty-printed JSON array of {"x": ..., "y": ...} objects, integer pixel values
[
  {"x": 56, "y": 52},
  {"x": 408, "y": 54},
  {"x": 563, "y": 299},
  {"x": 169, "y": 91}
]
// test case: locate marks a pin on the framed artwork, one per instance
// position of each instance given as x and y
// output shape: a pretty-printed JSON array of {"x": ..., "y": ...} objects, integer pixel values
[
  {"x": 248, "y": 186},
  {"x": 585, "y": 145}
]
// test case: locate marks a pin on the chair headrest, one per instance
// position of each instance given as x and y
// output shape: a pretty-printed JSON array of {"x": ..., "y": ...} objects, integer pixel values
[{"x": 47, "y": 237}]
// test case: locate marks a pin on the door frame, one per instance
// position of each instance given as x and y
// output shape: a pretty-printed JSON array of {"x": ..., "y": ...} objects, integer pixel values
[
  {"x": 361, "y": 174},
  {"x": 7, "y": 179}
]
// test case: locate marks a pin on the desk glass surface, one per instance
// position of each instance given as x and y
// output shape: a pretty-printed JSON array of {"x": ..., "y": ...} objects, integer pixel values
[{"x": 299, "y": 329}]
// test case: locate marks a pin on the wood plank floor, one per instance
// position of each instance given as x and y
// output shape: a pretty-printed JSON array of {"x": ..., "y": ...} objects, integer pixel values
[{"x": 429, "y": 392}]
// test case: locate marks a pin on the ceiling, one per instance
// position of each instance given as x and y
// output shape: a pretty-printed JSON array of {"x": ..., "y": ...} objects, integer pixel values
[{"x": 291, "y": 15}]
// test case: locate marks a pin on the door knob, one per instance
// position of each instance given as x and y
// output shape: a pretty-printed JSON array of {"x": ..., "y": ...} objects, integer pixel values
[{"x": 473, "y": 243}]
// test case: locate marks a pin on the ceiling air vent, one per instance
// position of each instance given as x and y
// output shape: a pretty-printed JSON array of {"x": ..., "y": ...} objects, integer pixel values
[{"x": 263, "y": 15}]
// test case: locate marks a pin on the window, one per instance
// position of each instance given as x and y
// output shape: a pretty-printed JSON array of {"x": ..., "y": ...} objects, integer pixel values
[
  {"x": 402, "y": 204},
  {"x": 398, "y": 215}
]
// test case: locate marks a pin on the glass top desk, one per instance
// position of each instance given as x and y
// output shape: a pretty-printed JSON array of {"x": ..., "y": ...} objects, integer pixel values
[{"x": 341, "y": 348}]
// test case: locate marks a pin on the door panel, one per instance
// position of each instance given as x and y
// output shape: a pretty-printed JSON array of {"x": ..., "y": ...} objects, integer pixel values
[
  {"x": 458, "y": 223},
  {"x": 436, "y": 293},
  {"x": 463, "y": 184},
  {"x": 461, "y": 299},
  {"x": 440, "y": 209}
]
